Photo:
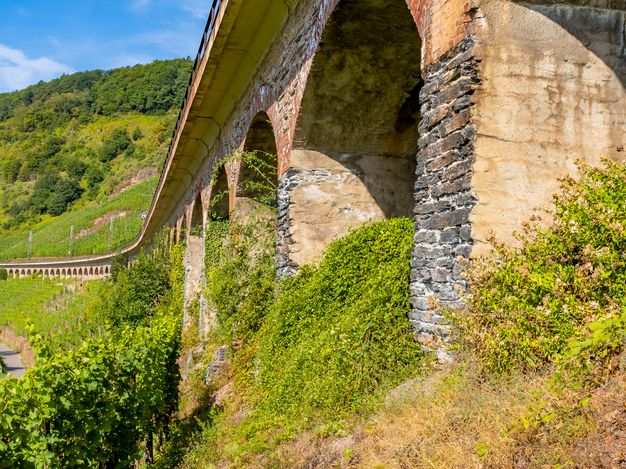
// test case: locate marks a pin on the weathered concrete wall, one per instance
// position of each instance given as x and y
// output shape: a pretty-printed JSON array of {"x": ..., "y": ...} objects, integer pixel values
[
  {"x": 329, "y": 196},
  {"x": 552, "y": 91}
]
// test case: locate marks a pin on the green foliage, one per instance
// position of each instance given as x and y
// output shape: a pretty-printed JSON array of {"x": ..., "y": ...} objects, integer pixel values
[
  {"x": 527, "y": 304},
  {"x": 137, "y": 134},
  {"x": 117, "y": 143},
  {"x": 97, "y": 405},
  {"x": 105, "y": 401},
  {"x": 258, "y": 178},
  {"x": 154, "y": 87},
  {"x": 592, "y": 358},
  {"x": 240, "y": 272},
  {"x": 4, "y": 275},
  {"x": 338, "y": 332},
  {"x": 177, "y": 275},
  {"x": 63, "y": 313},
  {"x": 138, "y": 288},
  {"x": 75, "y": 129},
  {"x": 52, "y": 194}
]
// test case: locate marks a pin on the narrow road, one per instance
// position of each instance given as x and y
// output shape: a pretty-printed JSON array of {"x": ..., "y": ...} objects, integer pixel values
[{"x": 12, "y": 361}]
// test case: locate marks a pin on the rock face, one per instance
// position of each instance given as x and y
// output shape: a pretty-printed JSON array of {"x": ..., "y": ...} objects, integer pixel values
[{"x": 461, "y": 114}]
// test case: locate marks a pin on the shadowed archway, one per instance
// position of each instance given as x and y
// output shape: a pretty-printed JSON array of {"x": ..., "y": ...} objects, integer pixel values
[
  {"x": 356, "y": 140},
  {"x": 219, "y": 206},
  {"x": 257, "y": 184}
]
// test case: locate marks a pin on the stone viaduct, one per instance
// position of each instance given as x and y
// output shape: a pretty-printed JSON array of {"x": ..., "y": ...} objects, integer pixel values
[{"x": 460, "y": 113}]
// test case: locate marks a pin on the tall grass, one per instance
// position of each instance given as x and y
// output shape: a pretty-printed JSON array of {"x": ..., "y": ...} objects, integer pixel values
[{"x": 52, "y": 238}]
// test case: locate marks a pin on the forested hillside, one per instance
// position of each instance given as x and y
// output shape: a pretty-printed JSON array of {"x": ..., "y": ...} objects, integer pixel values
[{"x": 81, "y": 141}]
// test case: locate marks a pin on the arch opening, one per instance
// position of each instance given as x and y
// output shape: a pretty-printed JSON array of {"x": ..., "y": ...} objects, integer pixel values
[
  {"x": 219, "y": 207},
  {"x": 258, "y": 170},
  {"x": 197, "y": 217},
  {"x": 356, "y": 139}
]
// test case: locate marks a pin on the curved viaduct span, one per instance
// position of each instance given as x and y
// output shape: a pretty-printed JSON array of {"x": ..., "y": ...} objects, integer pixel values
[{"x": 460, "y": 113}]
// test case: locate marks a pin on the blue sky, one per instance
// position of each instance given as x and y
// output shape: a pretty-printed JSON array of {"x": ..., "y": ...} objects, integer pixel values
[{"x": 42, "y": 39}]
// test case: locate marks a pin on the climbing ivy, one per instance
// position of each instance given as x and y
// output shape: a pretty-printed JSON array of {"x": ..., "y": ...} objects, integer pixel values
[{"x": 260, "y": 184}]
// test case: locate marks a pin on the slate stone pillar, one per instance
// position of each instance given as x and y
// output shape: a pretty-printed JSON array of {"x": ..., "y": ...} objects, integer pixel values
[{"x": 443, "y": 192}]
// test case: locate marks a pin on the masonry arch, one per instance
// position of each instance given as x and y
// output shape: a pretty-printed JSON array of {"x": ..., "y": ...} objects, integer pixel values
[
  {"x": 219, "y": 204},
  {"x": 354, "y": 153},
  {"x": 197, "y": 216},
  {"x": 257, "y": 181}
]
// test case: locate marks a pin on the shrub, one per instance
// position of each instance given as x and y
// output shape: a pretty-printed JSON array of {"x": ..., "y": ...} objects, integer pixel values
[
  {"x": 96, "y": 406},
  {"x": 52, "y": 194},
  {"x": 137, "y": 134},
  {"x": 4, "y": 275},
  {"x": 240, "y": 274},
  {"x": 526, "y": 304},
  {"x": 339, "y": 332},
  {"x": 138, "y": 288},
  {"x": 115, "y": 145}
]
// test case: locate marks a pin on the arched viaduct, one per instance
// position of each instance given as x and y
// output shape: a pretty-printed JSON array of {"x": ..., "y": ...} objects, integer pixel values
[{"x": 460, "y": 113}]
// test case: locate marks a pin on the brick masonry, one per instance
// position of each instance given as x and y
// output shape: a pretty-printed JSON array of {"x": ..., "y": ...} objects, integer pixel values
[
  {"x": 443, "y": 192},
  {"x": 444, "y": 159}
]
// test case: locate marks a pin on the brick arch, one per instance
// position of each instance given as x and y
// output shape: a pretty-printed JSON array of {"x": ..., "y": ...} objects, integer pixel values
[
  {"x": 221, "y": 197},
  {"x": 354, "y": 149},
  {"x": 256, "y": 181},
  {"x": 197, "y": 213}
]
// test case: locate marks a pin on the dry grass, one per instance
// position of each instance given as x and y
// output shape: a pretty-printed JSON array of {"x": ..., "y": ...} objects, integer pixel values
[{"x": 453, "y": 419}]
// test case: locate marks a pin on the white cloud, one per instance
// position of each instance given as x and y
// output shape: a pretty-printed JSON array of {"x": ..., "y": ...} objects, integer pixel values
[
  {"x": 18, "y": 71},
  {"x": 198, "y": 8}
]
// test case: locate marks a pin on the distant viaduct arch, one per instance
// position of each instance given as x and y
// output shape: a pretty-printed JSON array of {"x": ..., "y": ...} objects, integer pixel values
[{"x": 87, "y": 273}]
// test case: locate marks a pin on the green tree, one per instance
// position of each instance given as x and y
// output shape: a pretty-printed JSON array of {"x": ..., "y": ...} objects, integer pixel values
[{"x": 115, "y": 145}]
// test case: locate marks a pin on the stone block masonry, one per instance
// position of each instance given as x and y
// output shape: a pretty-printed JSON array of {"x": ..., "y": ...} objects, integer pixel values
[{"x": 444, "y": 198}]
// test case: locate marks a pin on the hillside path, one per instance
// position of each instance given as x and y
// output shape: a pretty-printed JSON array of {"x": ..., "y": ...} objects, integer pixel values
[{"x": 12, "y": 361}]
